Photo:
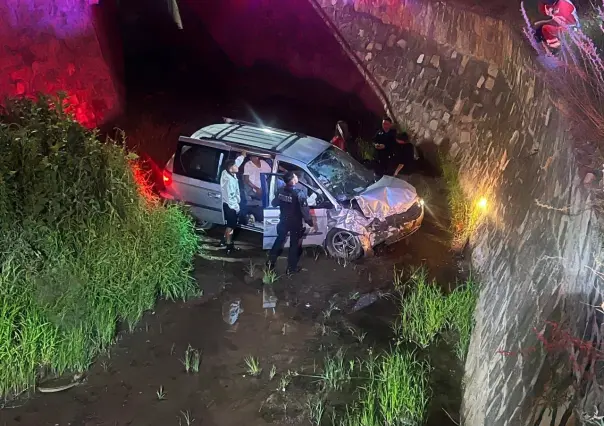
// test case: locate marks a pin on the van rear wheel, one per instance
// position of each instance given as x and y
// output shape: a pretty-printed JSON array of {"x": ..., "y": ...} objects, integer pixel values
[
  {"x": 343, "y": 244},
  {"x": 203, "y": 225}
]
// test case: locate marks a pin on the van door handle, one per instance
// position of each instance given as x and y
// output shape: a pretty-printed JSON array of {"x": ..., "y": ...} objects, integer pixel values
[
  {"x": 213, "y": 195},
  {"x": 273, "y": 221}
]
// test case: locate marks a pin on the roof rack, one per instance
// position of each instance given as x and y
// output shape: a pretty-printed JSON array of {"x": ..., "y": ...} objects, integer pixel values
[{"x": 228, "y": 120}]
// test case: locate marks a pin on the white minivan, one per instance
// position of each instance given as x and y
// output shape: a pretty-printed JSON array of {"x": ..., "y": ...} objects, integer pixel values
[{"x": 352, "y": 211}]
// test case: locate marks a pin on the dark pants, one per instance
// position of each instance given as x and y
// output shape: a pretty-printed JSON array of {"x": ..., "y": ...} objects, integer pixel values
[
  {"x": 295, "y": 244},
  {"x": 382, "y": 162}
]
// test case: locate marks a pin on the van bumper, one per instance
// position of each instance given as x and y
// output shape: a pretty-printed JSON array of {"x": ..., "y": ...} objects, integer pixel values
[{"x": 390, "y": 233}]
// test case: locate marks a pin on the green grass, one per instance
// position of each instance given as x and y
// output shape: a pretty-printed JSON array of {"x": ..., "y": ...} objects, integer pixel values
[
  {"x": 460, "y": 308},
  {"x": 465, "y": 214},
  {"x": 423, "y": 312},
  {"x": 84, "y": 245},
  {"x": 395, "y": 391},
  {"x": 336, "y": 372},
  {"x": 191, "y": 360},
  {"x": 426, "y": 312},
  {"x": 252, "y": 366},
  {"x": 392, "y": 388}
]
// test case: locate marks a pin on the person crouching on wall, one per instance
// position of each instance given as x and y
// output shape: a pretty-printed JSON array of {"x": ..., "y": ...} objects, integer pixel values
[{"x": 563, "y": 16}]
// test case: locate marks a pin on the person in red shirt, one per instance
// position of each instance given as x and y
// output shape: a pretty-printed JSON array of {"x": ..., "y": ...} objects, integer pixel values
[
  {"x": 562, "y": 16},
  {"x": 341, "y": 135}
]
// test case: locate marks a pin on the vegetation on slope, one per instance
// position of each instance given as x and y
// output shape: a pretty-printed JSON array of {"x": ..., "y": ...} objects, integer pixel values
[{"x": 83, "y": 244}]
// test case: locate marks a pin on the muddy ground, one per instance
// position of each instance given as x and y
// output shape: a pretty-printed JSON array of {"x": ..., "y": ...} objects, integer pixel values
[{"x": 123, "y": 389}]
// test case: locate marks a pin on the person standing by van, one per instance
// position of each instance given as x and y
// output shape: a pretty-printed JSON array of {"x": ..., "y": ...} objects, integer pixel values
[
  {"x": 294, "y": 209},
  {"x": 231, "y": 199},
  {"x": 341, "y": 135}
]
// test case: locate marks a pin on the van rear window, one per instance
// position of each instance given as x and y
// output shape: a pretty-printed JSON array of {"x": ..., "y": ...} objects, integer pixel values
[{"x": 199, "y": 162}]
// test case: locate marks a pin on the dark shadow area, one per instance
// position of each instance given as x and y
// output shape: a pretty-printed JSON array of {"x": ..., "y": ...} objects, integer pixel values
[{"x": 183, "y": 79}]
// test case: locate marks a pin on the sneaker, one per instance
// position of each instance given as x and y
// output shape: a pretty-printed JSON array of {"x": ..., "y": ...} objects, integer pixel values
[{"x": 231, "y": 249}]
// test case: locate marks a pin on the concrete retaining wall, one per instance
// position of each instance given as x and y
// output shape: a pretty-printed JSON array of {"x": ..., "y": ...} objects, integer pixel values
[{"x": 468, "y": 84}]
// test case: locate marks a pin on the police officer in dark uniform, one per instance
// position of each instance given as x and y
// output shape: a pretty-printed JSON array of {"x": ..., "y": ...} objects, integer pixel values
[
  {"x": 294, "y": 209},
  {"x": 384, "y": 142}
]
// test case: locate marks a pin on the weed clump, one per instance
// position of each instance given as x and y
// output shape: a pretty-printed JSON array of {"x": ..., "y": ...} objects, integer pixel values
[
  {"x": 423, "y": 312},
  {"x": 393, "y": 389},
  {"x": 84, "y": 244},
  {"x": 426, "y": 312}
]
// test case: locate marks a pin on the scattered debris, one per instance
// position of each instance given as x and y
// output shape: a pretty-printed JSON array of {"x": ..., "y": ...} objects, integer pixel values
[
  {"x": 231, "y": 311},
  {"x": 269, "y": 300}
]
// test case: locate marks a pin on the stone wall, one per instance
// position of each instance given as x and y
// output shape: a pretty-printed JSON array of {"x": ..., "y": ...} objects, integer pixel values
[
  {"x": 52, "y": 46},
  {"x": 468, "y": 84}
]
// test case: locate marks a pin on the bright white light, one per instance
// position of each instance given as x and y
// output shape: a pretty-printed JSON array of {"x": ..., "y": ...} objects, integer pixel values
[
  {"x": 421, "y": 202},
  {"x": 482, "y": 203},
  {"x": 265, "y": 130}
]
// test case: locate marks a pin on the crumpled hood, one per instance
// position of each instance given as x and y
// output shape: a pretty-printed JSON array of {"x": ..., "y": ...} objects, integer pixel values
[{"x": 386, "y": 197}]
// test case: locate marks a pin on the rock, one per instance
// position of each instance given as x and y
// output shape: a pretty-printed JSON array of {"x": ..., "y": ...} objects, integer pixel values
[
  {"x": 464, "y": 62},
  {"x": 369, "y": 46},
  {"x": 446, "y": 117},
  {"x": 366, "y": 300},
  {"x": 589, "y": 178},
  {"x": 458, "y": 106},
  {"x": 454, "y": 150},
  {"x": 361, "y": 33},
  {"x": 368, "y": 56},
  {"x": 393, "y": 85},
  {"x": 435, "y": 61},
  {"x": 548, "y": 115},
  {"x": 465, "y": 137},
  {"x": 391, "y": 40},
  {"x": 420, "y": 59},
  {"x": 454, "y": 54},
  {"x": 433, "y": 125},
  {"x": 480, "y": 82},
  {"x": 401, "y": 43},
  {"x": 378, "y": 46},
  {"x": 493, "y": 70},
  {"x": 490, "y": 83}
]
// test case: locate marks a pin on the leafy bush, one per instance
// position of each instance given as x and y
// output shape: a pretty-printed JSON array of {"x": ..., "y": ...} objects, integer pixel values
[{"x": 83, "y": 245}]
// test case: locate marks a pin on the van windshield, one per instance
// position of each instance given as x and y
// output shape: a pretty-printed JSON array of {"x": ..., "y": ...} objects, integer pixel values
[{"x": 341, "y": 174}]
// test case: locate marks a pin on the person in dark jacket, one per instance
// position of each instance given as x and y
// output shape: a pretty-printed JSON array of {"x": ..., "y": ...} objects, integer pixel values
[
  {"x": 384, "y": 141},
  {"x": 294, "y": 210}
]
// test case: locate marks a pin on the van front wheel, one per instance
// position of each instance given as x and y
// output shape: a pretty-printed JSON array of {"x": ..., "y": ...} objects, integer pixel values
[{"x": 343, "y": 244}]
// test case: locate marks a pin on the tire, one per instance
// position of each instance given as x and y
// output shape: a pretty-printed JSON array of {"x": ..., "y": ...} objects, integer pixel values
[
  {"x": 343, "y": 244},
  {"x": 203, "y": 224}
]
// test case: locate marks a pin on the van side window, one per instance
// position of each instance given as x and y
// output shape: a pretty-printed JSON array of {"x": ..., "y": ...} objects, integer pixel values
[{"x": 199, "y": 162}]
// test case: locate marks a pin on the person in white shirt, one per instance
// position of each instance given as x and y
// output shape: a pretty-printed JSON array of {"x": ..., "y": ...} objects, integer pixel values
[
  {"x": 251, "y": 176},
  {"x": 231, "y": 198}
]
